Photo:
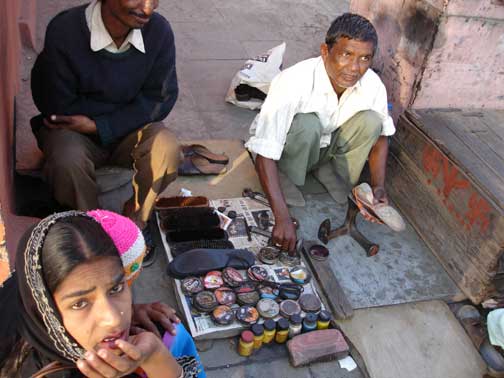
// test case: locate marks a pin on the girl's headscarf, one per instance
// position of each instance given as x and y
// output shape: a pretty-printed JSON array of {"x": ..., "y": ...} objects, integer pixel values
[{"x": 42, "y": 325}]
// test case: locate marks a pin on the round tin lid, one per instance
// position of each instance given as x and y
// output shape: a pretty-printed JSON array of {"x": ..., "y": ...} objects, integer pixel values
[
  {"x": 268, "y": 292},
  {"x": 192, "y": 285},
  {"x": 309, "y": 303},
  {"x": 268, "y": 308},
  {"x": 223, "y": 315},
  {"x": 205, "y": 301},
  {"x": 257, "y": 273},
  {"x": 289, "y": 260},
  {"x": 246, "y": 287},
  {"x": 249, "y": 298},
  {"x": 268, "y": 255},
  {"x": 300, "y": 275},
  {"x": 289, "y": 308},
  {"x": 225, "y": 296},
  {"x": 213, "y": 280},
  {"x": 247, "y": 314},
  {"x": 232, "y": 277},
  {"x": 318, "y": 252}
]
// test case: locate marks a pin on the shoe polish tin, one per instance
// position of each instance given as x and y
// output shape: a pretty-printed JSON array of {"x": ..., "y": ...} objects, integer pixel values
[
  {"x": 300, "y": 275},
  {"x": 257, "y": 273},
  {"x": 310, "y": 303},
  {"x": 213, "y": 280},
  {"x": 192, "y": 285},
  {"x": 268, "y": 308},
  {"x": 232, "y": 277},
  {"x": 268, "y": 255},
  {"x": 223, "y": 315},
  {"x": 225, "y": 296},
  {"x": 249, "y": 298},
  {"x": 247, "y": 315},
  {"x": 289, "y": 308},
  {"x": 289, "y": 260},
  {"x": 205, "y": 301}
]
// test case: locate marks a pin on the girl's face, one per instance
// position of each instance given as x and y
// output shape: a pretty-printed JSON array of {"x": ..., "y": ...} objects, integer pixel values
[{"x": 95, "y": 301}]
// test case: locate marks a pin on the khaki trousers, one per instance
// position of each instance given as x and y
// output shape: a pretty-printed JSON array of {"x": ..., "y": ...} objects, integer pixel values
[
  {"x": 347, "y": 153},
  {"x": 71, "y": 159}
]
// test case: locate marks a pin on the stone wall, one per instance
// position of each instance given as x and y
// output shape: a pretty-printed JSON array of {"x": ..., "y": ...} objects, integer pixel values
[
  {"x": 465, "y": 68},
  {"x": 439, "y": 53}
]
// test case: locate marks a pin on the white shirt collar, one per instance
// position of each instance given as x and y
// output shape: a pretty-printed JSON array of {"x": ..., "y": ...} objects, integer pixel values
[{"x": 100, "y": 37}]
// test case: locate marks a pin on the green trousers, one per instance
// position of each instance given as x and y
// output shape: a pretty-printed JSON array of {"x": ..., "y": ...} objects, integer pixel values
[{"x": 347, "y": 153}]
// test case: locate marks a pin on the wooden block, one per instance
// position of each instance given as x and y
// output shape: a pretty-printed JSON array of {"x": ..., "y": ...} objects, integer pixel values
[
  {"x": 317, "y": 345},
  {"x": 329, "y": 285},
  {"x": 456, "y": 217}
]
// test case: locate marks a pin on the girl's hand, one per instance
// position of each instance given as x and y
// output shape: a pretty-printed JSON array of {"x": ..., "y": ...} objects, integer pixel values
[{"x": 135, "y": 352}]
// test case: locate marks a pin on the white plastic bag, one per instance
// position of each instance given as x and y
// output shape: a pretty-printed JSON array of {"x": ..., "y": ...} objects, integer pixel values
[{"x": 258, "y": 73}]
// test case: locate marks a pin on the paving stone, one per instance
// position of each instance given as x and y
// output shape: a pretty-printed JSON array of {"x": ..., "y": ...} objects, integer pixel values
[
  {"x": 332, "y": 370},
  {"x": 271, "y": 369},
  {"x": 188, "y": 10},
  {"x": 233, "y": 124}
]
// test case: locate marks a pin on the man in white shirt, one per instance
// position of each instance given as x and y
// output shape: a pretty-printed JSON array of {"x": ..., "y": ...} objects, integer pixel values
[{"x": 327, "y": 115}]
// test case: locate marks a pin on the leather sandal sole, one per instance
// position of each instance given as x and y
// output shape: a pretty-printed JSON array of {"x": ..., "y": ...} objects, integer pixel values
[
  {"x": 198, "y": 166},
  {"x": 200, "y": 150},
  {"x": 383, "y": 213}
]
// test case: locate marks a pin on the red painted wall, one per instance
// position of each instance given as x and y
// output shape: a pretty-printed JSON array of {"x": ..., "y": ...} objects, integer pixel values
[{"x": 17, "y": 27}]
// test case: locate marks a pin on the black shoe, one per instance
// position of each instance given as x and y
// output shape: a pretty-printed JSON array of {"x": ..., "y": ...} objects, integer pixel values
[{"x": 150, "y": 254}]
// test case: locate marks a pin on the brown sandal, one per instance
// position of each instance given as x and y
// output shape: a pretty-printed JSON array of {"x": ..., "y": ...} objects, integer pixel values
[
  {"x": 200, "y": 150},
  {"x": 199, "y": 166}
]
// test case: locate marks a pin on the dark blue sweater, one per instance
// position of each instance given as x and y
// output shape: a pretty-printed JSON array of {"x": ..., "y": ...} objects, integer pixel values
[{"x": 120, "y": 92}]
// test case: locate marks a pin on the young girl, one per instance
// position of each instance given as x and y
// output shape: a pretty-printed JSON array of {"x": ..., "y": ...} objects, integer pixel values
[{"x": 68, "y": 306}]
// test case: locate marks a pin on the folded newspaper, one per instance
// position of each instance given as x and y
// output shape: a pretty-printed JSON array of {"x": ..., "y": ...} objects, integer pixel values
[{"x": 201, "y": 325}]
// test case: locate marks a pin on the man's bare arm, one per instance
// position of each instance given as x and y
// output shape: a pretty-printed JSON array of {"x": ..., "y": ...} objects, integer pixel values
[
  {"x": 378, "y": 167},
  {"x": 284, "y": 231}
]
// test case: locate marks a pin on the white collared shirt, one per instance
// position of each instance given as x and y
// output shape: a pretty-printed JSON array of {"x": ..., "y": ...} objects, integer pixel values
[
  {"x": 100, "y": 37},
  {"x": 306, "y": 88}
]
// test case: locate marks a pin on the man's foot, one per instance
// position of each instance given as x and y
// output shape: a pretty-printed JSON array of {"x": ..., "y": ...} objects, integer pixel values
[
  {"x": 150, "y": 254},
  {"x": 337, "y": 188},
  {"x": 292, "y": 194}
]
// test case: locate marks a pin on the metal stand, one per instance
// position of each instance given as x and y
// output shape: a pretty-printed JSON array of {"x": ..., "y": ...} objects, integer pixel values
[{"x": 348, "y": 228}]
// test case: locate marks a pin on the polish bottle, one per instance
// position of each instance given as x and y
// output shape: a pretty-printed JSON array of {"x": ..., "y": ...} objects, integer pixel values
[
  {"x": 258, "y": 331},
  {"x": 324, "y": 319},
  {"x": 269, "y": 331},
  {"x": 309, "y": 322},
  {"x": 282, "y": 331},
  {"x": 295, "y": 325},
  {"x": 246, "y": 344}
]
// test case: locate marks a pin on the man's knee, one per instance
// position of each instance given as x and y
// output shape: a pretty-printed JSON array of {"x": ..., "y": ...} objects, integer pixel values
[
  {"x": 69, "y": 162},
  {"x": 370, "y": 124},
  {"x": 305, "y": 127},
  {"x": 163, "y": 141},
  {"x": 65, "y": 151}
]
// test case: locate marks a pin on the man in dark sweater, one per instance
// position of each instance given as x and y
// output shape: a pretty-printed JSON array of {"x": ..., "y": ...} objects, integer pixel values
[{"x": 103, "y": 82}]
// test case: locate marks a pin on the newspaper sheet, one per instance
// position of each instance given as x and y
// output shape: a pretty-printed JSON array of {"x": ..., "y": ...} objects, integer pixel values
[{"x": 201, "y": 325}]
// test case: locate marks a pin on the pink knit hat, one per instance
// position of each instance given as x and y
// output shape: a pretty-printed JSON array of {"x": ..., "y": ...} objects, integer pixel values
[{"x": 127, "y": 238}]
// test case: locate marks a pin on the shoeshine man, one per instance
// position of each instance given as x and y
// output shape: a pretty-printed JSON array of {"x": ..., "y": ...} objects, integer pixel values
[
  {"x": 103, "y": 82},
  {"x": 325, "y": 115}
]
